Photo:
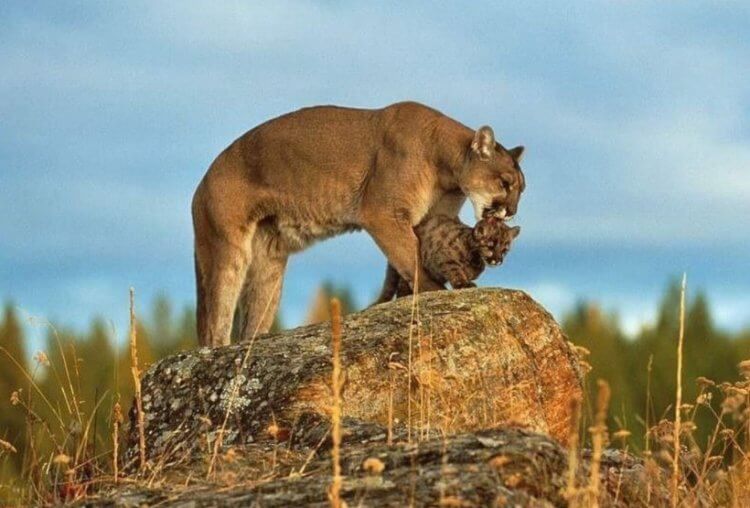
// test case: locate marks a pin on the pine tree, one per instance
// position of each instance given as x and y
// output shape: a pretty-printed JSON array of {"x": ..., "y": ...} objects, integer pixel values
[
  {"x": 599, "y": 332},
  {"x": 161, "y": 326},
  {"x": 668, "y": 317},
  {"x": 185, "y": 334},
  {"x": 319, "y": 309},
  {"x": 96, "y": 356}
]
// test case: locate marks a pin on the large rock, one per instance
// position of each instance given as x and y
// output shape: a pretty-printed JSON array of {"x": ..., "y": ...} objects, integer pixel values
[{"x": 479, "y": 358}]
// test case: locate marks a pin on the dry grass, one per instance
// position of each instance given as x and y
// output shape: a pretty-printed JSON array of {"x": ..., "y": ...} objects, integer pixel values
[
  {"x": 137, "y": 384},
  {"x": 598, "y": 441},
  {"x": 414, "y": 321},
  {"x": 571, "y": 490},
  {"x": 678, "y": 399},
  {"x": 335, "y": 489},
  {"x": 116, "y": 422},
  {"x": 59, "y": 466}
]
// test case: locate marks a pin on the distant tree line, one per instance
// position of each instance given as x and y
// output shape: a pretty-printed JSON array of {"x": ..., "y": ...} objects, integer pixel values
[{"x": 642, "y": 370}]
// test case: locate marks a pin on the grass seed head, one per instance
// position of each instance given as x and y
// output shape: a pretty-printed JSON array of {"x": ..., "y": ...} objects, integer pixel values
[
  {"x": 61, "y": 459},
  {"x": 230, "y": 456},
  {"x": 704, "y": 399},
  {"x": 117, "y": 413},
  {"x": 688, "y": 427},
  {"x": 373, "y": 466},
  {"x": 621, "y": 435},
  {"x": 273, "y": 430},
  {"x": 727, "y": 433},
  {"x": 732, "y": 404},
  {"x": 581, "y": 351},
  {"x": 41, "y": 359},
  {"x": 5, "y": 445},
  {"x": 744, "y": 367}
]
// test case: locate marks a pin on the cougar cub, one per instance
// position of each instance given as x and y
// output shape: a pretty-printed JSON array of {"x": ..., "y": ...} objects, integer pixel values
[{"x": 451, "y": 251}]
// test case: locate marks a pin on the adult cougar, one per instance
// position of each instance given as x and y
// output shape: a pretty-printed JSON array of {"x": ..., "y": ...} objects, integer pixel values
[{"x": 321, "y": 171}]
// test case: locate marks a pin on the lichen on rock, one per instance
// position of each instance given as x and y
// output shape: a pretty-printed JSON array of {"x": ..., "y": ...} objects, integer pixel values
[{"x": 479, "y": 358}]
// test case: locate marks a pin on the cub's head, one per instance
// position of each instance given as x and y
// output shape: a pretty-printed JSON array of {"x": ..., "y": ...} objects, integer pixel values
[
  {"x": 493, "y": 238},
  {"x": 492, "y": 178}
]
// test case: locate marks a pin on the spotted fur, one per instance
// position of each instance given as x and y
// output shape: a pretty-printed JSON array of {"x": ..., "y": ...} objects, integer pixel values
[{"x": 452, "y": 252}]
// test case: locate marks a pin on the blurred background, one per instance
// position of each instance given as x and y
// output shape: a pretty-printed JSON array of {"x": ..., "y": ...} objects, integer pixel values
[{"x": 634, "y": 115}]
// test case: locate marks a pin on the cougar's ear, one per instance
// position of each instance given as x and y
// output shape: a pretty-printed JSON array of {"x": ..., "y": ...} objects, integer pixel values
[
  {"x": 517, "y": 153},
  {"x": 515, "y": 231},
  {"x": 483, "y": 143}
]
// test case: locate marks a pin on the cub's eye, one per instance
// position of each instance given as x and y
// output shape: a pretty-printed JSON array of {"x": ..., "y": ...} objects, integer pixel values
[{"x": 507, "y": 180}]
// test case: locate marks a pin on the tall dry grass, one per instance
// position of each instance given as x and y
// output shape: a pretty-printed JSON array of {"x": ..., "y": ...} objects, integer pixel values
[
  {"x": 335, "y": 489},
  {"x": 678, "y": 399},
  {"x": 136, "y": 371}
]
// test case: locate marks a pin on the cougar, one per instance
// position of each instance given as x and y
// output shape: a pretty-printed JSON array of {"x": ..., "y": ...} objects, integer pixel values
[{"x": 326, "y": 170}]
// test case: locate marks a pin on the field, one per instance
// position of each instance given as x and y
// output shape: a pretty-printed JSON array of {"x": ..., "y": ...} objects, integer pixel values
[{"x": 64, "y": 418}]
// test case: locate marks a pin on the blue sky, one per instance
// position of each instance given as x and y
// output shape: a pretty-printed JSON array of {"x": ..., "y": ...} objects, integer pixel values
[{"x": 635, "y": 116}]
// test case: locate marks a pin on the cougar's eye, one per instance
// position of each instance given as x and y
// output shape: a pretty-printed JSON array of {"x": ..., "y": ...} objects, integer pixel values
[{"x": 507, "y": 180}]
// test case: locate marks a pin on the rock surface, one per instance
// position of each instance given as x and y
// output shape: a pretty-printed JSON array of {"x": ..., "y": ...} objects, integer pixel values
[
  {"x": 458, "y": 361},
  {"x": 495, "y": 467}
]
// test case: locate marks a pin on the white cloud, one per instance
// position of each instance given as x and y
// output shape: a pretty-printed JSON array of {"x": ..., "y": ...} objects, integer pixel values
[{"x": 731, "y": 311}]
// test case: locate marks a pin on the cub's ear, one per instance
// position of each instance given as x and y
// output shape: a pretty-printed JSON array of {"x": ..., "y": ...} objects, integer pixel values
[
  {"x": 515, "y": 231},
  {"x": 480, "y": 230},
  {"x": 517, "y": 153},
  {"x": 483, "y": 143}
]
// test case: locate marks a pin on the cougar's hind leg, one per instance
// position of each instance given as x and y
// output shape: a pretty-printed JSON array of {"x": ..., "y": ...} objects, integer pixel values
[
  {"x": 200, "y": 303},
  {"x": 261, "y": 294},
  {"x": 222, "y": 259}
]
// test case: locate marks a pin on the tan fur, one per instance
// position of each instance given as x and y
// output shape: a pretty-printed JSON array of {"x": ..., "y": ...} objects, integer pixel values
[{"x": 322, "y": 171}]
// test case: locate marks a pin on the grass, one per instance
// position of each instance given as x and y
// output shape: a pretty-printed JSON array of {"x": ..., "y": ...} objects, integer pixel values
[
  {"x": 60, "y": 465},
  {"x": 335, "y": 490},
  {"x": 137, "y": 385},
  {"x": 678, "y": 399}
]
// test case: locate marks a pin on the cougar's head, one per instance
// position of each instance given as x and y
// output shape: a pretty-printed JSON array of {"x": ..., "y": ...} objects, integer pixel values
[
  {"x": 493, "y": 238},
  {"x": 492, "y": 178}
]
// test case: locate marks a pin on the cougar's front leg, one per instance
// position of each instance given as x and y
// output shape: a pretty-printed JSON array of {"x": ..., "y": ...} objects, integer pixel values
[
  {"x": 457, "y": 277},
  {"x": 261, "y": 293},
  {"x": 398, "y": 242}
]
